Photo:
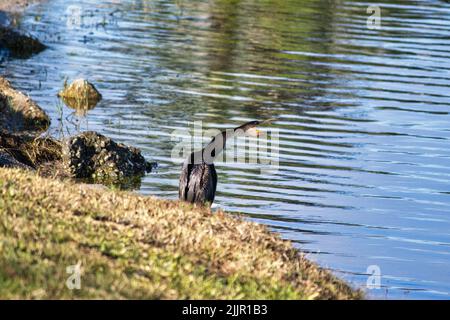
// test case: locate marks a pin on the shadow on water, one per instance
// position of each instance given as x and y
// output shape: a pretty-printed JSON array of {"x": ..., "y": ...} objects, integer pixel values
[{"x": 362, "y": 114}]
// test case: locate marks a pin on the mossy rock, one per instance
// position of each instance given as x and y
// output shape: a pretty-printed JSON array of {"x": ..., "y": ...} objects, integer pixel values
[{"x": 80, "y": 95}]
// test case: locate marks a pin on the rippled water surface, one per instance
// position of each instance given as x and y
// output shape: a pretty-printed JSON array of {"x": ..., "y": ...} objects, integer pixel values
[{"x": 363, "y": 114}]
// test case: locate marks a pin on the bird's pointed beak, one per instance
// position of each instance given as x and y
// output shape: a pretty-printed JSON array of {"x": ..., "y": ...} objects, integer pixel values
[{"x": 268, "y": 121}]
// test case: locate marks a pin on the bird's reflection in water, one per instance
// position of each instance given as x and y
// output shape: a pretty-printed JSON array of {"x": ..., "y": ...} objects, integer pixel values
[{"x": 80, "y": 107}]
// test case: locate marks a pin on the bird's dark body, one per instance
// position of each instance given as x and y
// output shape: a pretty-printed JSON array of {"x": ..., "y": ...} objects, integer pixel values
[
  {"x": 198, "y": 183},
  {"x": 198, "y": 180}
]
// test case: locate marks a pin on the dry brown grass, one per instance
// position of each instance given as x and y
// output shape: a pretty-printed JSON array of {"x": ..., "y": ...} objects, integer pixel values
[
  {"x": 211, "y": 255},
  {"x": 36, "y": 152},
  {"x": 41, "y": 150}
]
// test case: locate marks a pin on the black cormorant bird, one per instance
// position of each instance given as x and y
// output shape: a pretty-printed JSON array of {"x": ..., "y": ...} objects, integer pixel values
[{"x": 198, "y": 180}]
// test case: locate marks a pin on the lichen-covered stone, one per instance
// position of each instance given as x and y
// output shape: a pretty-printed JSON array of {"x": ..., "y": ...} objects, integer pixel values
[
  {"x": 93, "y": 156},
  {"x": 19, "y": 112}
]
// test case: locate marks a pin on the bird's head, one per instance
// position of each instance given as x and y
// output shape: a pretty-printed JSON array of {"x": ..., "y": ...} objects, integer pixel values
[{"x": 251, "y": 128}]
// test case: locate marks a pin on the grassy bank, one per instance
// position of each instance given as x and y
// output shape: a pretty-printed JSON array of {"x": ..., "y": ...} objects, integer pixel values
[{"x": 131, "y": 246}]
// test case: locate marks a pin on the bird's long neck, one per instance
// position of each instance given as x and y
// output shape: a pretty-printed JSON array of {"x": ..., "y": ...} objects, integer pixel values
[{"x": 217, "y": 145}]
